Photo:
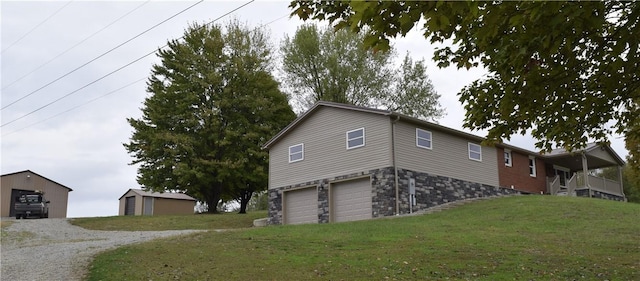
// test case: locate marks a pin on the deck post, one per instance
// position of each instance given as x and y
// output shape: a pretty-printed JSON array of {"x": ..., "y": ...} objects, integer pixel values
[
  {"x": 621, "y": 181},
  {"x": 585, "y": 172}
]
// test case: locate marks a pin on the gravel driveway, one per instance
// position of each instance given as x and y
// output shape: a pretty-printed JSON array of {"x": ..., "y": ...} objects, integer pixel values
[{"x": 53, "y": 249}]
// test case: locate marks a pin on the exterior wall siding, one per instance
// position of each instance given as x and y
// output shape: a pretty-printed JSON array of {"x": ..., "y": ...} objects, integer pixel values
[
  {"x": 518, "y": 174},
  {"x": 56, "y": 193},
  {"x": 166, "y": 206},
  {"x": 161, "y": 206},
  {"x": 325, "y": 155},
  {"x": 449, "y": 156},
  {"x": 602, "y": 154}
]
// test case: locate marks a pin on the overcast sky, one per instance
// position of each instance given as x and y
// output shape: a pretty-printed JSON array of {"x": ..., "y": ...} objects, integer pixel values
[{"x": 77, "y": 141}]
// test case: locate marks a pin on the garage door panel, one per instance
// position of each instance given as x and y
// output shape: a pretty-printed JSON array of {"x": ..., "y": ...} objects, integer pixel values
[
  {"x": 301, "y": 206},
  {"x": 351, "y": 200}
]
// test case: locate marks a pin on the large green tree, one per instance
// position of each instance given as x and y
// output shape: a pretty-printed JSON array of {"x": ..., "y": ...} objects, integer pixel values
[
  {"x": 212, "y": 103},
  {"x": 323, "y": 64},
  {"x": 567, "y": 71}
]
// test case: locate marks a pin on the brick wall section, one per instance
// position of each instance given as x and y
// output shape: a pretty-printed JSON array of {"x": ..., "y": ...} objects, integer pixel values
[{"x": 518, "y": 174}]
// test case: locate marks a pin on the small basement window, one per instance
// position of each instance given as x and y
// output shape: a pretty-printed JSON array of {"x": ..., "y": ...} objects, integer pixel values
[
  {"x": 355, "y": 138},
  {"x": 296, "y": 153},
  {"x": 423, "y": 138},
  {"x": 475, "y": 152}
]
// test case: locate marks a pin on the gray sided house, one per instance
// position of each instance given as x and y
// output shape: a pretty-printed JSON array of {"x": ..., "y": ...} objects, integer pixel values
[{"x": 340, "y": 162}]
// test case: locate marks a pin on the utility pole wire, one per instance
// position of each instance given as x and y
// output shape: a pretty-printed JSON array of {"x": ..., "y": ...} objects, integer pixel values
[
  {"x": 103, "y": 54},
  {"x": 74, "y": 46},
  {"x": 118, "y": 69},
  {"x": 76, "y": 107},
  {"x": 109, "y": 93},
  {"x": 35, "y": 27}
]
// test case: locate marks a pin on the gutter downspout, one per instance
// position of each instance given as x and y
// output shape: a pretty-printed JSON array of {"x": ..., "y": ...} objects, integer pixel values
[{"x": 393, "y": 162}]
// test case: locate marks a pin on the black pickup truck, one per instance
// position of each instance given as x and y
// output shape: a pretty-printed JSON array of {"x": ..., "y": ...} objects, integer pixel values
[{"x": 31, "y": 204}]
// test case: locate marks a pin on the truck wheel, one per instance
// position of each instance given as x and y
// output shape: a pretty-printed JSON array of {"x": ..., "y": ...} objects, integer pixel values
[{"x": 17, "y": 217}]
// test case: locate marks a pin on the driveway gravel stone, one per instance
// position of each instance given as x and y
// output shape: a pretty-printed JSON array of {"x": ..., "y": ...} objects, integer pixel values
[{"x": 53, "y": 249}]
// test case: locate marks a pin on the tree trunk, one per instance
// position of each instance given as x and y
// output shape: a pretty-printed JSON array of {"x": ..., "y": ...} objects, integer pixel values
[
  {"x": 245, "y": 196},
  {"x": 213, "y": 198}
]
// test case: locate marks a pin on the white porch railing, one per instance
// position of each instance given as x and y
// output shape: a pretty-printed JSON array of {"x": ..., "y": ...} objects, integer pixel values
[
  {"x": 606, "y": 185},
  {"x": 553, "y": 184},
  {"x": 572, "y": 184}
]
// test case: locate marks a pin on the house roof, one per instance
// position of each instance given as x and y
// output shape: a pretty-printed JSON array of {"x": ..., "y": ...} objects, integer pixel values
[
  {"x": 562, "y": 156},
  {"x": 431, "y": 125},
  {"x": 391, "y": 114},
  {"x": 167, "y": 195},
  {"x": 31, "y": 172}
]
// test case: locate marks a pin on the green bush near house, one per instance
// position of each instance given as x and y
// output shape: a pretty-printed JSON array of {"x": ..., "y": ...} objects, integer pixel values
[{"x": 514, "y": 238}]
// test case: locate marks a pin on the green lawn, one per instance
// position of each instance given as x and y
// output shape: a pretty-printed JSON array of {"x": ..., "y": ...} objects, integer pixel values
[
  {"x": 515, "y": 238},
  {"x": 144, "y": 223}
]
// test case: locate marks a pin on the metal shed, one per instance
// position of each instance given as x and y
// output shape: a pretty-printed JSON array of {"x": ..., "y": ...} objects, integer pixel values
[
  {"x": 27, "y": 180},
  {"x": 139, "y": 202}
]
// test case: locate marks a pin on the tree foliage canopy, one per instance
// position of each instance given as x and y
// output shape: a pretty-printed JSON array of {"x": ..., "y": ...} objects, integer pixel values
[
  {"x": 566, "y": 70},
  {"x": 320, "y": 64},
  {"x": 212, "y": 103}
]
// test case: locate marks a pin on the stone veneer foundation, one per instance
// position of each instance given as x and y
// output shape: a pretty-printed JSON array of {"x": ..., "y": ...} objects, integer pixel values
[
  {"x": 599, "y": 194},
  {"x": 430, "y": 191}
]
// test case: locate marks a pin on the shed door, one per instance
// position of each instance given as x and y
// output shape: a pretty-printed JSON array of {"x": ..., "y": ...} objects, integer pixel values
[
  {"x": 14, "y": 194},
  {"x": 148, "y": 206},
  {"x": 130, "y": 206},
  {"x": 301, "y": 206},
  {"x": 351, "y": 200}
]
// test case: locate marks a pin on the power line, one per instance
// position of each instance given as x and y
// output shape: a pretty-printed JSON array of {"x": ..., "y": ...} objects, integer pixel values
[
  {"x": 76, "y": 45},
  {"x": 114, "y": 91},
  {"x": 76, "y": 107},
  {"x": 118, "y": 69},
  {"x": 103, "y": 54},
  {"x": 35, "y": 27}
]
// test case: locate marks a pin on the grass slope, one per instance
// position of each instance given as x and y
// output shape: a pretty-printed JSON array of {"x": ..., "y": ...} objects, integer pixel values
[
  {"x": 515, "y": 238},
  {"x": 177, "y": 222}
]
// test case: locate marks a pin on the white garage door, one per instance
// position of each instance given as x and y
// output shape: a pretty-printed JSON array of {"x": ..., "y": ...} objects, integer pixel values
[
  {"x": 351, "y": 200},
  {"x": 301, "y": 206}
]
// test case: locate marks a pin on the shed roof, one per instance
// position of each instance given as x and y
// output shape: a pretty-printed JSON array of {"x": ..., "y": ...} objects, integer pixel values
[
  {"x": 168, "y": 195},
  {"x": 31, "y": 172}
]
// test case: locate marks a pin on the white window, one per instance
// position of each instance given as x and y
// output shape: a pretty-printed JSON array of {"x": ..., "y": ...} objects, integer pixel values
[
  {"x": 423, "y": 138},
  {"x": 532, "y": 166},
  {"x": 355, "y": 138},
  {"x": 475, "y": 152},
  {"x": 507, "y": 158},
  {"x": 296, "y": 153}
]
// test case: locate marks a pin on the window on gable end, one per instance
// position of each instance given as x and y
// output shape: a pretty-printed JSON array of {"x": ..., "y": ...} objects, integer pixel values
[
  {"x": 355, "y": 138},
  {"x": 296, "y": 153},
  {"x": 423, "y": 139}
]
